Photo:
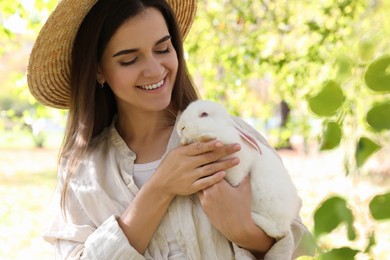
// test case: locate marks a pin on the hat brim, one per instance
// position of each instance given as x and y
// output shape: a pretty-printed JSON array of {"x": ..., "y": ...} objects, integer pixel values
[{"x": 48, "y": 72}]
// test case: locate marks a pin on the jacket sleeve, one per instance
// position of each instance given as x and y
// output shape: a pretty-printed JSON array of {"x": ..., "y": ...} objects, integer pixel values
[
  {"x": 75, "y": 236},
  {"x": 299, "y": 240}
]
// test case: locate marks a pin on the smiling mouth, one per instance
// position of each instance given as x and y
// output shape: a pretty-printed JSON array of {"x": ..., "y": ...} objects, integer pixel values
[{"x": 152, "y": 86}]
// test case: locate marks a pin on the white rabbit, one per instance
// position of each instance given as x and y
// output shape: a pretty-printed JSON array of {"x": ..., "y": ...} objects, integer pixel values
[{"x": 275, "y": 201}]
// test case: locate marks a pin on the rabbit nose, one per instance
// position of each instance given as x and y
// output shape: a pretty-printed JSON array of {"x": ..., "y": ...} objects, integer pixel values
[{"x": 183, "y": 128}]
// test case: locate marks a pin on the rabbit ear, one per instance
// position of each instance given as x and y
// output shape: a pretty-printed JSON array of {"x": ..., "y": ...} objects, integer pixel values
[{"x": 247, "y": 137}]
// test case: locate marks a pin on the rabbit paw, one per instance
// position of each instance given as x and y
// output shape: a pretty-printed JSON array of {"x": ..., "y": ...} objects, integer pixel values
[
  {"x": 185, "y": 141},
  {"x": 206, "y": 137},
  {"x": 270, "y": 226}
]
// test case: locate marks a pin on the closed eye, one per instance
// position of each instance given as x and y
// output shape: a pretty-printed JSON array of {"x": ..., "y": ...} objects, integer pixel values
[
  {"x": 204, "y": 114},
  {"x": 129, "y": 63},
  {"x": 164, "y": 51},
  {"x": 167, "y": 50}
]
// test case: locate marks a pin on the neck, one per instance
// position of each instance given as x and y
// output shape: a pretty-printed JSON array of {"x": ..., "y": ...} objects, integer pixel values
[
  {"x": 138, "y": 127},
  {"x": 146, "y": 134}
]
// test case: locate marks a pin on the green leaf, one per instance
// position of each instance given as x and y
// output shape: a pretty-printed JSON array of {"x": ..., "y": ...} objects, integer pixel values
[
  {"x": 343, "y": 253},
  {"x": 377, "y": 75},
  {"x": 378, "y": 117},
  {"x": 380, "y": 206},
  {"x": 328, "y": 100},
  {"x": 332, "y": 136},
  {"x": 365, "y": 148},
  {"x": 331, "y": 214}
]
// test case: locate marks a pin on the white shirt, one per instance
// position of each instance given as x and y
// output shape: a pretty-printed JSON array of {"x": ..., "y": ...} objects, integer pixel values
[{"x": 143, "y": 171}]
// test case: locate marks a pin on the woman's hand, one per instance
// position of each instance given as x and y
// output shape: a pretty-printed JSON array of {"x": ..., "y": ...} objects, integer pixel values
[
  {"x": 227, "y": 207},
  {"x": 190, "y": 168},
  {"x": 229, "y": 210}
]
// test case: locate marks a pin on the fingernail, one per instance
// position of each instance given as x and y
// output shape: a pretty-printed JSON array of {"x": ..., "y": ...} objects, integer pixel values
[
  {"x": 237, "y": 147},
  {"x": 222, "y": 173},
  {"x": 235, "y": 161}
]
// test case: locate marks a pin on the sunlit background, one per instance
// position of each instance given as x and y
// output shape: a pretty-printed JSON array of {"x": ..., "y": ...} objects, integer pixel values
[{"x": 295, "y": 69}]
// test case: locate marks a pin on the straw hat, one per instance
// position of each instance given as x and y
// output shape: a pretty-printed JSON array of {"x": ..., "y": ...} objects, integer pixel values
[{"x": 50, "y": 59}]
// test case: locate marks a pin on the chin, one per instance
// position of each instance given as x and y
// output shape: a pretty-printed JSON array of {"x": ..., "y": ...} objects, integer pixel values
[{"x": 161, "y": 105}]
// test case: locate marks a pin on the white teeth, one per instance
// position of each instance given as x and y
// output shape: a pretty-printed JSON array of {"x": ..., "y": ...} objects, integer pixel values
[{"x": 153, "y": 86}]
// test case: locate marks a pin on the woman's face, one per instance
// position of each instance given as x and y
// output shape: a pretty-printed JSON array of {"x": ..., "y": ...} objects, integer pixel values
[{"x": 140, "y": 63}]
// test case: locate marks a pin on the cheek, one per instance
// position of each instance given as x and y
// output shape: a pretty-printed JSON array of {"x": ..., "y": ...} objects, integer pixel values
[
  {"x": 118, "y": 76},
  {"x": 172, "y": 63}
]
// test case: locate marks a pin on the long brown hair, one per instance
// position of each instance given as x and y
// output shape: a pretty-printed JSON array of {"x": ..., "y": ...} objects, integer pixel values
[{"x": 93, "y": 108}]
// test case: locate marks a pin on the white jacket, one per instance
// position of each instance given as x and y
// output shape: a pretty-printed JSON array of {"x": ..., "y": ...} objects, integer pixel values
[{"x": 104, "y": 187}]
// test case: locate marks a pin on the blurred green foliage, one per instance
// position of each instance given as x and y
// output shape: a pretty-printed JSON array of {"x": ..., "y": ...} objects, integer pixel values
[
  {"x": 266, "y": 52},
  {"x": 20, "y": 21}
]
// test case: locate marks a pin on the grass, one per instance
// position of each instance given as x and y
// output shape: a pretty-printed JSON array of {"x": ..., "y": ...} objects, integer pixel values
[{"x": 17, "y": 139}]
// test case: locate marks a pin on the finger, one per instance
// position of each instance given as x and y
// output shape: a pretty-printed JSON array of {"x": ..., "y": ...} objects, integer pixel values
[
  {"x": 232, "y": 148},
  {"x": 218, "y": 153},
  {"x": 197, "y": 148},
  {"x": 208, "y": 181},
  {"x": 218, "y": 166},
  {"x": 245, "y": 183}
]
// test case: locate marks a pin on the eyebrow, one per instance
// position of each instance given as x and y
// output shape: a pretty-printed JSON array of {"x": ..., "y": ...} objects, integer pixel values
[{"x": 163, "y": 39}]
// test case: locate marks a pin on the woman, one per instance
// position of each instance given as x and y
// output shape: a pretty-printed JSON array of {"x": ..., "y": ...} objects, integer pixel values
[{"x": 127, "y": 189}]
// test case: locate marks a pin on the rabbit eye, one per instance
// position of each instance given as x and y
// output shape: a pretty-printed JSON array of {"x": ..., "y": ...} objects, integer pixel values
[{"x": 204, "y": 114}]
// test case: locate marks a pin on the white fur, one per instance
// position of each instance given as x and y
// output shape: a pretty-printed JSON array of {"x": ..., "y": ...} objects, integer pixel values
[{"x": 275, "y": 201}]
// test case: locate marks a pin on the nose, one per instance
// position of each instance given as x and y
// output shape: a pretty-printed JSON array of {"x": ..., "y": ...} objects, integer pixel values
[{"x": 153, "y": 68}]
